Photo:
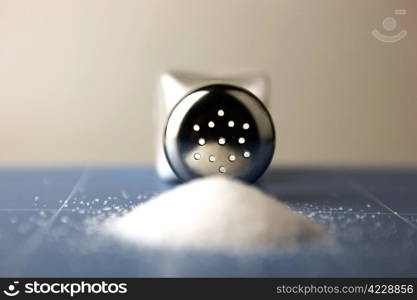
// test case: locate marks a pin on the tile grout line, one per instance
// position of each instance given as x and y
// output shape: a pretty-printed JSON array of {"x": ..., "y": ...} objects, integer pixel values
[
  {"x": 17, "y": 260},
  {"x": 78, "y": 185},
  {"x": 351, "y": 212},
  {"x": 374, "y": 198},
  {"x": 32, "y": 209}
]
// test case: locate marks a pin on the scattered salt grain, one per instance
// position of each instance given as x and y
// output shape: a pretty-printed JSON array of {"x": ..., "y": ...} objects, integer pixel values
[{"x": 64, "y": 219}]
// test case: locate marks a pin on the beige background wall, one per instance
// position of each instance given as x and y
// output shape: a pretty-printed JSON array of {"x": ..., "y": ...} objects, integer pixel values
[{"x": 78, "y": 78}]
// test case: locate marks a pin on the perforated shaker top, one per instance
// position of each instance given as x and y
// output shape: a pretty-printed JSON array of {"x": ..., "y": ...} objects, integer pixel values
[{"x": 219, "y": 129}]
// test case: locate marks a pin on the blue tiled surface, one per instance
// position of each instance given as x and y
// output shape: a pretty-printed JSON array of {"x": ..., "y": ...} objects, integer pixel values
[{"x": 372, "y": 211}]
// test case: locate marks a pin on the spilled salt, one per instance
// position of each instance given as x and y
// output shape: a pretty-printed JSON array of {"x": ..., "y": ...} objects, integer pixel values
[{"x": 214, "y": 214}]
